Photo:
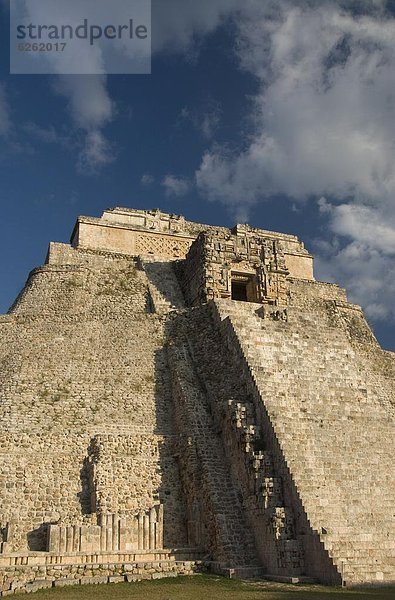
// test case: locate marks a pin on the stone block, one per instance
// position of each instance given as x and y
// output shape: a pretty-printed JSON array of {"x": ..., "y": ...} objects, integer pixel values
[
  {"x": 65, "y": 582},
  {"x": 38, "y": 584},
  {"x": 97, "y": 579},
  {"x": 116, "y": 579}
]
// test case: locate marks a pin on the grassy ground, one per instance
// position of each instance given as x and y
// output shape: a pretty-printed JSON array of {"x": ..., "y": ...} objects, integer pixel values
[{"x": 205, "y": 587}]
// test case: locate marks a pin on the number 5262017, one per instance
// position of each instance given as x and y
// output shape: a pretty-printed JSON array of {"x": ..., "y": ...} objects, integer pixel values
[{"x": 42, "y": 47}]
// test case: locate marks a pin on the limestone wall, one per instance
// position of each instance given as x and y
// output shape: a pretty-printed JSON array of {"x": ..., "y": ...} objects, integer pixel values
[
  {"x": 118, "y": 238},
  {"x": 82, "y": 362},
  {"x": 32, "y": 575}
]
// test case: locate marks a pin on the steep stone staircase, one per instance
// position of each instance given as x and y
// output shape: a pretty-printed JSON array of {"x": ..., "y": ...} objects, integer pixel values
[
  {"x": 227, "y": 533},
  {"x": 208, "y": 486},
  {"x": 330, "y": 406},
  {"x": 234, "y": 413},
  {"x": 164, "y": 289}
]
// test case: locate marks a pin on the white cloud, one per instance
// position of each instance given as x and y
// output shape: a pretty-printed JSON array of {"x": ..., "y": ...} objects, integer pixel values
[
  {"x": 91, "y": 109},
  {"x": 324, "y": 127},
  {"x": 147, "y": 180},
  {"x": 366, "y": 225},
  {"x": 361, "y": 255},
  {"x": 96, "y": 153},
  {"x": 325, "y": 115},
  {"x": 175, "y": 186},
  {"x": 89, "y": 103}
]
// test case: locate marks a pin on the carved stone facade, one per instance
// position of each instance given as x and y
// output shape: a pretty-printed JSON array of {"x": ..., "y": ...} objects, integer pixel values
[
  {"x": 153, "y": 233},
  {"x": 113, "y": 533},
  {"x": 241, "y": 265}
]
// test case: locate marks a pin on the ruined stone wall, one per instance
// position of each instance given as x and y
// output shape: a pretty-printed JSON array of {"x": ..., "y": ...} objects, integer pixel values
[
  {"x": 147, "y": 465},
  {"x": 31, "y": 575},
  {"x": 82, "y": 356}
]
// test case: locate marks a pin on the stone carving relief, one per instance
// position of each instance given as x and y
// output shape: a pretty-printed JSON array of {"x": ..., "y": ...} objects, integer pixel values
[
  {"x": 241, "y": 265},
  {"x": 149, "y": 245}
]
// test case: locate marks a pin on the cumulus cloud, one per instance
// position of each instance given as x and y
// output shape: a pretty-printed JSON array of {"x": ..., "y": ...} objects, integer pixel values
[
  {"x": 175, "y": 186},
  {"x": 361, "y": 255},
  {"x": 324, "y": 123},
  {"x": 365, "y": 224},
  {"x": 325, "y": 115}
]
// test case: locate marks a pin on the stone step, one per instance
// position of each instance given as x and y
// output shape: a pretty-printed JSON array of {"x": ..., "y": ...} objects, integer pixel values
[
  {"x": 239, "y": 414},
  {"x": 295, "y": 380},
  {"x": 234, "y": 537},
  {"x": 163, "y": 284}
]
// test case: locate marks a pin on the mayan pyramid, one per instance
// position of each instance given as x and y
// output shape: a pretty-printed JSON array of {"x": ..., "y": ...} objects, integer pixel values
[{"x": 178, "y": 397}]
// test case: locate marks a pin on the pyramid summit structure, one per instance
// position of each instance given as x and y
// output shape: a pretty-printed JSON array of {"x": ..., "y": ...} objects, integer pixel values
[{"x": 178, "y": 397}]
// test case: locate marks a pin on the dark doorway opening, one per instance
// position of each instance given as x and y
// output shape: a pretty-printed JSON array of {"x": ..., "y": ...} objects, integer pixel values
[{"x": 239, "y": 291}]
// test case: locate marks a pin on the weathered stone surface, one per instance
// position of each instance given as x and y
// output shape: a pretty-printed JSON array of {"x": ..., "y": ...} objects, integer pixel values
[
  {"x": 96, "y": 579},
  {"x": 38, "y": 584},
  {"x": 65, "y": 582},
  {"x": 116, "y": 579},
  {"x": 149, "y": 421}
]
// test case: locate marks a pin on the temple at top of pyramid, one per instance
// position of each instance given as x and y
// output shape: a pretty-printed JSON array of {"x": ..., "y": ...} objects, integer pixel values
[
  {"x": 239, "y": 257},
  {"x": 108, "y": 232}
]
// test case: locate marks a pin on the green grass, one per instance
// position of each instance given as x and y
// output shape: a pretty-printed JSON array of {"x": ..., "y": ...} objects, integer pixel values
[{"x": 206, "y": 587}]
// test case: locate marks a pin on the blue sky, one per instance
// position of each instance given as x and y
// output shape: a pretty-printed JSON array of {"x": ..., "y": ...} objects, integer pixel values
[{"x": 276, "y": 113}]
